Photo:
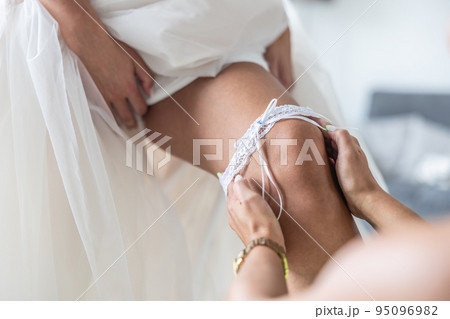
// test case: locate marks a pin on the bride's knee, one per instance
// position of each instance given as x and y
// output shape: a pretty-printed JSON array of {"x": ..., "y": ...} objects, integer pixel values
[
  {"x": 295, "y": 153},
  {"x": 296, "y": 150}
]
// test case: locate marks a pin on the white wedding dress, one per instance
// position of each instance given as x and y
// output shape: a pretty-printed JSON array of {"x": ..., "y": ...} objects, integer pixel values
[{"x": 75, "y": 221}]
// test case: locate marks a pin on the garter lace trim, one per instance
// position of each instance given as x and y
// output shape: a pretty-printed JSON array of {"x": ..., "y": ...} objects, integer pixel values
[{"x": 250, "y": 142}]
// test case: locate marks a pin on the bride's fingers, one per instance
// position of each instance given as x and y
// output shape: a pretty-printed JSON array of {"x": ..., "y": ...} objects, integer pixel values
[
  {"x": 141, "y": 69},
  {"x": 124, "y": 112},
  {"x": 137, "y": 100},
  {"x": 144, "y": 74}
]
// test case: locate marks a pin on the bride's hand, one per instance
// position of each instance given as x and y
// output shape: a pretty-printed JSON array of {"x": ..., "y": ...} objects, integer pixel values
[
  {"x": 278, "y": 56},
  {"x": 112, "y": 65},
  {"x": 250, "y": 216},
  {"x": 114, "y": 72}
]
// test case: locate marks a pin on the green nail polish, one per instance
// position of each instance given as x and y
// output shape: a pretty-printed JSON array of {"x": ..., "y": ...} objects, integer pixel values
[{"x": 219, "y": 174}]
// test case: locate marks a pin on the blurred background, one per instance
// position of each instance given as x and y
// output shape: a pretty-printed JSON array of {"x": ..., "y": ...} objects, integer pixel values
[{"x": 391, "y": 73}]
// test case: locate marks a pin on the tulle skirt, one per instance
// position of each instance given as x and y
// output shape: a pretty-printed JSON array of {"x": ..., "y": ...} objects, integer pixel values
[{"x": 75, "y": 221}]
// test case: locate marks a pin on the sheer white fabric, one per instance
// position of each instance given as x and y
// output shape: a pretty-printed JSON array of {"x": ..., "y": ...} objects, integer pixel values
[
  {"x": 69, "y": 206},
  {"x": 182, "y": 40}
]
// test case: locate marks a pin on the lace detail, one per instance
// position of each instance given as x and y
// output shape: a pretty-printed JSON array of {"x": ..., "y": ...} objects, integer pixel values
[{"x": 249, "y": 143}]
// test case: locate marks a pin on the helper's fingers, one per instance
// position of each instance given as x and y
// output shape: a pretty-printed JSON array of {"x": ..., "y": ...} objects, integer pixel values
[
  {"x": 343, "y": 141},
  {"x": 332, "y": 153},
  {"x": 356, "y": 141},
  {"x": 324, "y": 123},
  {"x": 230, "y": 192},
  {"x": 243, "y": 189},
  {"x": 341, "y": 138},
  {"x": 330, "y": 146},
  {"x": 332, "y": 161}
]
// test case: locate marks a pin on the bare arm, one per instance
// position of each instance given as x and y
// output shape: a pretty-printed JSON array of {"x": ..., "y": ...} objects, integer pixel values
[
  {"x": 385, "y": 213},
  {"x": 261, "y": 278},
  {"x": 410, "y": 264},
  {"x": 261, "y": 275}
]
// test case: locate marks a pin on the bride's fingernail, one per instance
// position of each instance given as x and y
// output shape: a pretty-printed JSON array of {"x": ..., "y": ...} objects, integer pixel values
[
  {"x": 219, "y": 174},
  {"x": 237, "y": 178},
  {"x": 330, "y": 128}
]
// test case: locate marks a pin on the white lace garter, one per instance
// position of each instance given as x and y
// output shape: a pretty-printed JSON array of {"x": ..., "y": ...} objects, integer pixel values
[{"x": 249, "y": 143}]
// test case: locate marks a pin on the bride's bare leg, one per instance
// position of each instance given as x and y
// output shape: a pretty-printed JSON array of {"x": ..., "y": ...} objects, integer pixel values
[{"x": 225, "y": 107}]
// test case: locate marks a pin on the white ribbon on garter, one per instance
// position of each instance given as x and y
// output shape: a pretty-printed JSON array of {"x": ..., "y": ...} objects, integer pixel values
[{"x": 250, "y": 143}]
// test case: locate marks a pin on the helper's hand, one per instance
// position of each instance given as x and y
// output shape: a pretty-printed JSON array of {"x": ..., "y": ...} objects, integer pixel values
[
  {"x": 278, "y": 56},
  {"x": 352, "y": 170},
  {"x": 250, "y": 216}
]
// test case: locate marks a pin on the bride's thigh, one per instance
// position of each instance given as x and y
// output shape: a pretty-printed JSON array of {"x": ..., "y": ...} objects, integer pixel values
[
  {"x": 223, "y": 107},
  {"x": 316, "y": 221}
]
